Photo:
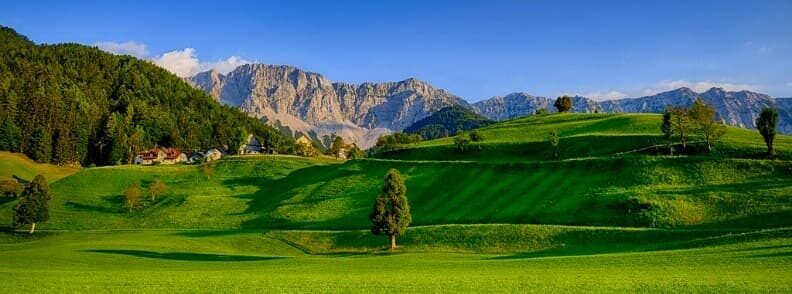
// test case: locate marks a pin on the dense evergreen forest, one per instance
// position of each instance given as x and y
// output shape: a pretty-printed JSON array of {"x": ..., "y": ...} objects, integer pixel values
[
  {"x": 70, "y": 103},
  {"x": 447, "y": 122}
]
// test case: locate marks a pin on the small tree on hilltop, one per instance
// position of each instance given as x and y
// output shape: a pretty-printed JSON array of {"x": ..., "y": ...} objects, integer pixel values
[
  {"x": 563, "y": 104},
  {"x": 462, "y": 142},
  {"x": 554, "y": 140},
  {"x": 391, "y": 213},
  {"x": 766, "y": 124},
  {"x": 668, "y": 130},
  {"x": 680, "y": 122},
  {"x": 33, "y": 206},
  {"x": 155, "y": 189},
  {"x": 476, "y": 136},
  {"x": 703, "y": 115},
  {"x": 355, "y": 152},
  {"x": 337, "y": 145},
  {"x": 132, "y": 196}
]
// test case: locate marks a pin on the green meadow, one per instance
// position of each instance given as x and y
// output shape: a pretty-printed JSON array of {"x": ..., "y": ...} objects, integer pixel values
[{"x": 613, "y": 213}]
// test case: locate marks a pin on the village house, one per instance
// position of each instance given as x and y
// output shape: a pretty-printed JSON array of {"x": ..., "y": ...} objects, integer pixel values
[
  {"x": 253, "y": 146},
  {"x": 213, "y": 154},
  {"x": 304, "y": 140},
  {"x": 160, "y": 155}
]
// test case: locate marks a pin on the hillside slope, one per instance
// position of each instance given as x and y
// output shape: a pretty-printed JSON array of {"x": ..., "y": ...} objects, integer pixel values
[
  {"x": 514, "y": 186},
  {"x": 18, "y": 165},
  {"x": 448, "y": 122},
  {"x": 582, "y": 135},
  {"x": 69, "y": 103}
]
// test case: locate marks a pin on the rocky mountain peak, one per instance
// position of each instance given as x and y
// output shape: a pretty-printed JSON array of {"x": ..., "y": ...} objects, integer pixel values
[{"x": 308, "y": 102}]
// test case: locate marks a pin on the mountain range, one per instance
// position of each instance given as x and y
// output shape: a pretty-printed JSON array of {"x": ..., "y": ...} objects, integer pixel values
[{"x": 302, "y": 102}]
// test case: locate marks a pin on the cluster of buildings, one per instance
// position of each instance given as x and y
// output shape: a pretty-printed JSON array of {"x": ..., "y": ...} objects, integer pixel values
[{"x": 166, "y": 155}]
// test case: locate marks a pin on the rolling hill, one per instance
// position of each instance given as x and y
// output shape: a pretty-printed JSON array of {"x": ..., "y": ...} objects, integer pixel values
[{"x": 658, "y": 222}]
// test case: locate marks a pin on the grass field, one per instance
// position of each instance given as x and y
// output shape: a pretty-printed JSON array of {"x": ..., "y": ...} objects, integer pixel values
[
  {"x": 177, "y": 261},
  {"x": 504, "y": 219}
]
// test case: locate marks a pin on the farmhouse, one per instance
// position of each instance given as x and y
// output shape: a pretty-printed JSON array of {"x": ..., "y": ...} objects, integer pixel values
[
  {"x": 213, "y": 154},
  {"x": 304, "y": 141},
  {"x": 252, "y": 145},
  {"x": 160, "y": 155}
]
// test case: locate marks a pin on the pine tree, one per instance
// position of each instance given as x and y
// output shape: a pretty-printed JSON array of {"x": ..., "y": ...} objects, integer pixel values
[{"x": 391, "y": 213}]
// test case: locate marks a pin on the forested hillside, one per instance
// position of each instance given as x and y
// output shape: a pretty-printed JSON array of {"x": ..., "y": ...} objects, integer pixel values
[
  {"x": 69, "y": 103},
  {"x": 447, "y": 122}
]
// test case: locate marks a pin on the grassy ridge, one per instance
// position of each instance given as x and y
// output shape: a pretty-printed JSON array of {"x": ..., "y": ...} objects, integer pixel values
[
  {"x": 15, "y": 164},
  {"x": 288, "y": 192},
  {"x": 582, "y": 135}
]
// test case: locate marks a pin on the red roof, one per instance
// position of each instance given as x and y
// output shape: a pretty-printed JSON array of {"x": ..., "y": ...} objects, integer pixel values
[{"x": 170, "y": 153}]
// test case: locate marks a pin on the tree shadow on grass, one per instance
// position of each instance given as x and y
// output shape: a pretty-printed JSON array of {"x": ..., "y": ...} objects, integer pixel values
[
  {"x": 4, "y": 200},
  {"x": 184, "y": 256},
  {"x": 112, "y": 204},
  {"x": 272, "y": 193}
]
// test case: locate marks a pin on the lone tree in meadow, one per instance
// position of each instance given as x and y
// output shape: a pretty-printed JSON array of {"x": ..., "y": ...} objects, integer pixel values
[
  {"x": 668, "y": 130},
  {"x": 476, "y": 136},
  {"x": 33, "y": 206},
  {"x": 391, "y": 213},
  {"x": 680, "y": 123},
  {"x": 766, "y": 124},
  {"x": 563, "y": 104},
  {"x": 554, "y": 140},
  {"x": 132, "y": 196},
  {"x": 155, "y": 189},
  {"x": 703, "y": 116}
]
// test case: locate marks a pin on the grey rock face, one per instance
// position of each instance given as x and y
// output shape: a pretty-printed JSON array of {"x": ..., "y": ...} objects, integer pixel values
[
  {"x": 305, "y": 101},
  {"x": 209, "y": 81},
  {"x": 512, "y": 105}
]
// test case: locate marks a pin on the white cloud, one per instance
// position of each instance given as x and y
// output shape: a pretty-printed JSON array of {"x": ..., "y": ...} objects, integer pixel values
[
  {"x": 225, "y": 66},
  {"x": 135, "y": 49},
  {"x": 183, "y": 63},
  {"x": 608, "y": 95}
]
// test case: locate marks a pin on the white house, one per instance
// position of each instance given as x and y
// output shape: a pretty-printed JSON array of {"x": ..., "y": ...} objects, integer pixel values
[{"x": 213, "y": 154}]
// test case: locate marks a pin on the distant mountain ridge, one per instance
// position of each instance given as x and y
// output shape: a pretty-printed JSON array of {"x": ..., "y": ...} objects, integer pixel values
[
  {"x": 308, "y": 103},
  {"x": 736, "y": 108}
]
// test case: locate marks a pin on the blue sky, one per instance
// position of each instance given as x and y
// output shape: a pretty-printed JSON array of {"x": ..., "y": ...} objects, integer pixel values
[{"x": 475, "y": 49}]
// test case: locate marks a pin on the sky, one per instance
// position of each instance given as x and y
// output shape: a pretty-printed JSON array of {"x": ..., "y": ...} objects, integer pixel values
[{"x": 474, "y": 49}]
